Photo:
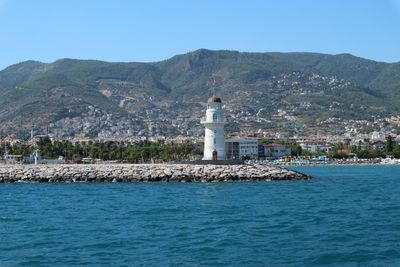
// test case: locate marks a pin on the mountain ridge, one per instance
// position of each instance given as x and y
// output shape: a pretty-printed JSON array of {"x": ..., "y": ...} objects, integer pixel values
[
  {"x": 310, "y": 87},
  {"x": 199, "y": 50}
]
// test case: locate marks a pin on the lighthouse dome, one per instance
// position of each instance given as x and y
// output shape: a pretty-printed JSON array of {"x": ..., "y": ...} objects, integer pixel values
[{"x": 214, "y": 99}]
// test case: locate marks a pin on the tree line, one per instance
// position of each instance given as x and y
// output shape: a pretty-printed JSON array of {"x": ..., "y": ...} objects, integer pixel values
[
  {"x": 143, "y": 151},
  {"x": 146, "y": 151},
  {"x": 341, "y": 150},
  {"x": 389, "y": 149}
]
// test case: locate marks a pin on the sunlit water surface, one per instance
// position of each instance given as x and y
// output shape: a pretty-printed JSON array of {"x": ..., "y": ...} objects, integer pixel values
[{"x": 345, "y": 216}]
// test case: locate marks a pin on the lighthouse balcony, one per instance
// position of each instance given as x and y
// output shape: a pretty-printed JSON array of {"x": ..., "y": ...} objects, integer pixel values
[{"x": 205, "y": 120}]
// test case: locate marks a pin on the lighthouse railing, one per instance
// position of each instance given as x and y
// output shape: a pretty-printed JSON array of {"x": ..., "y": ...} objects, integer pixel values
[{"x": 211, "y": 120}]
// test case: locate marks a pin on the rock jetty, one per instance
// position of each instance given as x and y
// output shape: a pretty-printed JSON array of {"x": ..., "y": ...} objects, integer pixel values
[{"x": 145, "y": 173}]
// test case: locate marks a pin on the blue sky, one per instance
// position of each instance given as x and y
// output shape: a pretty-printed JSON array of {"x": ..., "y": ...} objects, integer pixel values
[{"x": 152, "y": 30}]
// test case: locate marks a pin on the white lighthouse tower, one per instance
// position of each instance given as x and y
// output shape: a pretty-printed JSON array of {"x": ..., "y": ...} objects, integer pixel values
[{"x": 214, "y": 121}]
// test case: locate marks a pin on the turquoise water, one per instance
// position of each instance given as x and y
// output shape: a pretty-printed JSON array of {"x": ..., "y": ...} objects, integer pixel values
[{"x": 345, "y": 216}]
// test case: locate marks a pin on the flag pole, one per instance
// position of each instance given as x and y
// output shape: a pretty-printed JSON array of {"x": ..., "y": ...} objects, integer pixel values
[{"x": 213, "y": 87}]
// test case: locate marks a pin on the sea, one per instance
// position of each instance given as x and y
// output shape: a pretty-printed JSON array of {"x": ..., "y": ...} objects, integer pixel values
[{"x": 344, "y": 216}]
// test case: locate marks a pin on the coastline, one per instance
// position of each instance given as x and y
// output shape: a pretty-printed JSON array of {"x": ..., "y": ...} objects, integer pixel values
[{"x": 73, "y": 173}]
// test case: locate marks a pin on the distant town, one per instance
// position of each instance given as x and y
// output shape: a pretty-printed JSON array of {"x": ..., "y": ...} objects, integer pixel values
[{"x": 94, "y": 131}]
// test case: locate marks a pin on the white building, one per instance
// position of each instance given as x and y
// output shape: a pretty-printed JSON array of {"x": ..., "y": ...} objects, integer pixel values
[
  {"x": 242, "y": 148},
  {"x": 214, "y": 121},
  {"x": 314, "y": 146},
  {"x": 377, "y": 136}
]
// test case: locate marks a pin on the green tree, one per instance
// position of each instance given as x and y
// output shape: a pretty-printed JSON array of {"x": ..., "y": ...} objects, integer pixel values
[
  {"x": 389, "y": 144},
  {"x": 375, "y": 153},
  {"x": 396, "y": 151},
  {"x": 46, "y": 147},
  {"x": 296, "y": 150}
]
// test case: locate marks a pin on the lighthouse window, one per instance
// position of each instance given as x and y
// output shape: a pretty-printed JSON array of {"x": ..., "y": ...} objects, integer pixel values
[
  {"x": 215, "y": 141},
  {"x": 214, "y": 117}
]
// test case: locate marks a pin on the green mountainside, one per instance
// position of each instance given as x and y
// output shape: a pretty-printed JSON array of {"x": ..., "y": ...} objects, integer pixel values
[{"x": 304, "y": 89}]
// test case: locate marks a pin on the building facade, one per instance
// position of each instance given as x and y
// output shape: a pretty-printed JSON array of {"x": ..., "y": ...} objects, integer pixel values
[
  {"x": 242, "y": 148},
  {"x": 214, "y": 121},
  {"x": 315, "y": 146},
  {"x": 276, "y": 151}
]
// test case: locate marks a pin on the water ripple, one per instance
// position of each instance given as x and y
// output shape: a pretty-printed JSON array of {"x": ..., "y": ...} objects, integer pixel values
[{"x": 346, "y": 216}]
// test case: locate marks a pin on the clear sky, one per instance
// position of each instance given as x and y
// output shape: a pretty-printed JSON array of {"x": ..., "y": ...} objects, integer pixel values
[{"x": 152, "y": 30}]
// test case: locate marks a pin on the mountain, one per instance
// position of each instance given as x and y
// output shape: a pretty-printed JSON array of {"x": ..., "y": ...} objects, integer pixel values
[{"x": 293, "y": 92}]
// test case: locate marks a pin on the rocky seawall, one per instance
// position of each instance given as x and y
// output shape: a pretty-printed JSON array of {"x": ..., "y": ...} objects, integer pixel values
[{"x": 145, "y": 173}]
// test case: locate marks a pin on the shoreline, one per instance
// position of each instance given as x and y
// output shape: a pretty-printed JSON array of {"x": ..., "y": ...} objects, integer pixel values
[{"x": 74, "y": 173}]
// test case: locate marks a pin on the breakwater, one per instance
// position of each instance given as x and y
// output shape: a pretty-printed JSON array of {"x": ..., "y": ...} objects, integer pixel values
[{"x": 145, "y": 173}]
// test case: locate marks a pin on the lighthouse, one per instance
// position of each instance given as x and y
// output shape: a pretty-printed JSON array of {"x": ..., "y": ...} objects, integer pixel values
[{"x": 214, "y": 121}]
